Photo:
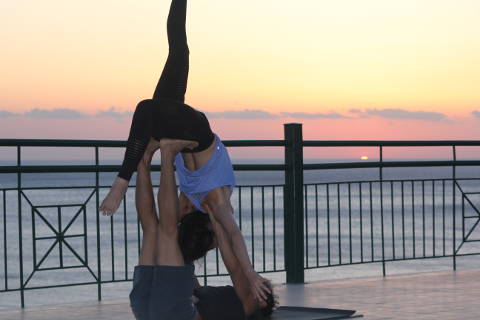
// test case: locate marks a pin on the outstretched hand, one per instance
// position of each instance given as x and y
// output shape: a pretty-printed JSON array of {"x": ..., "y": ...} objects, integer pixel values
[{"x": 258, "y": 286}]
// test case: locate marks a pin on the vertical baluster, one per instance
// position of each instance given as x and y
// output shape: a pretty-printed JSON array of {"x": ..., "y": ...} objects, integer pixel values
[
  {"x": 97, "y": 202},
  {"x": 403, "y": 221},
  {"x": 60, "y": 244},
  {"x": 350, "y": 219},
  {"x": 381, "y": 210},
  {"x": 316, "y": 221},
  {"x": 205, "y": 281},
  {"x": 423, "y": 216},
  {"x": 20, "y": 228},
  {"x": 443, "y": 217},
  {"x": 393, "y": 219},
  {"x": 5, "y": 256},
  {"x": 263, "y": 227},
  {"x": 274, "y": 234},
  {"x": 361, "y": 221},
  {"x": 433, "y": 218},
  {"x": 306, "y": 224},
  {"x": 463, "y": 219},
  {"x": 454, "y": 181},
  {"x": 251, "y": 227},
  {"x": 85, "y": 234},
  {"x": 34, "y": 242},
  {"x": 112, "y": 248},
  {"x": 339, "y": 226},
  {"x": 125, "y": 236},
  {"x": 371, "y": 221},
  {"x": 328, "y": 223},
  {"x": 240, "y": 207},
  {"x": 413, "y": 219},
  {"x": 217, "y": 262}
]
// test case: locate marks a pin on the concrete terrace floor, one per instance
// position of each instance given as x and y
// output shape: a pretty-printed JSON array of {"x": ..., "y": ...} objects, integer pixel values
[{"x": 439, "y": 295}]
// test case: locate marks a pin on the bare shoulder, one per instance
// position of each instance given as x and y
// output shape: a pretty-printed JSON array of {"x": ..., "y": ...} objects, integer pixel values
[
  {"x": 218, "y": 196},
  {"x": 219, "y": 200}
]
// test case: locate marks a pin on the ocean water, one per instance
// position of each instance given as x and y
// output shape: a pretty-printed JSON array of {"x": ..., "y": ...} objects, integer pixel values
[{"x": 340, "y": 229}]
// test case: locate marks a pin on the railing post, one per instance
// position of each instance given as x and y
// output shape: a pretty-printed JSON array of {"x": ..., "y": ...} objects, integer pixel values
[{"x": 293, "y": 203}]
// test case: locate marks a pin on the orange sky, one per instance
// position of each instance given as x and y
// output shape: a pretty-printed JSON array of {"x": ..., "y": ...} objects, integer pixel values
[{"x": 410, "y": 69}]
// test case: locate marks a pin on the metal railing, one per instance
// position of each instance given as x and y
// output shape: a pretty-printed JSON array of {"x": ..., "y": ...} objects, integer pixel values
[
  {"x": 396, "y": 220},
  {"x": 288, "y": 226}
]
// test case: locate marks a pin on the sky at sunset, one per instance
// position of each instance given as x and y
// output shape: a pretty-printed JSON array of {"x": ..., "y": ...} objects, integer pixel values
[{"x": 346, "y": 69}]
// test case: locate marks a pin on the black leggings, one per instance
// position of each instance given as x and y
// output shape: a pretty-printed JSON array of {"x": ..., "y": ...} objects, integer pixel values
[{"x": 166, "y": 115}]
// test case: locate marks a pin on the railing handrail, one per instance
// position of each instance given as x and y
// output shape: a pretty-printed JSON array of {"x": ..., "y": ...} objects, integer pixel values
[
  {"x": 244, "y": 167},
  {"x": 243, "y": 143},
  {"x": 389, "y": 143},
  {"x": 120, "y": 143},
  {"x": 116, "y": 168}
]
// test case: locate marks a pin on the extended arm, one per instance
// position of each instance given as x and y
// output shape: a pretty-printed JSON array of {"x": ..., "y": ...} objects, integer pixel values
[
  {"x": 145, "y": 206},
  {"x": 144, "y": 202},
  {"x": 168, "y": 249},
  {"x": 167, "y": 194},
  {"x": 218, "y": 202},
  {"x": 229, "y": 259},
  {"x": 240, "y": 281}
]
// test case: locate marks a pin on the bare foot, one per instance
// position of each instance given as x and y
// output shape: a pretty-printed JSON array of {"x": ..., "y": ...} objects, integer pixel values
[
  {"x": 176, "y": 145},
  {"x": 112, "y": 201},
  {"x": 152, "y": 147}
]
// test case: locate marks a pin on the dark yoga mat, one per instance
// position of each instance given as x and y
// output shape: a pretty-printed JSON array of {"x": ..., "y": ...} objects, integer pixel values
[{"x": 300, "y": 313}]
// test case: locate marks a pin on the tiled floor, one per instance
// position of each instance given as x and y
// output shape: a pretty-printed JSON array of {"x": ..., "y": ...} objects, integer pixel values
[{"x": 442, "y": 295}]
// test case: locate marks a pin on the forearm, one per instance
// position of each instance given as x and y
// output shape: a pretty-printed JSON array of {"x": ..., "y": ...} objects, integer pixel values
[
  {"x": 225, "y": 246},
  {"x": 144, "y": 202},
  {"x": 222, "y": 213},
  {"x": 242, "y": 283},
  {"x": 168, "y": 199},
  {"x": 220, "y": 209},
  {"x": 144, "y": 194},
  {"x": 237, "y": 243},
  {"x": 257, "y": 284}
]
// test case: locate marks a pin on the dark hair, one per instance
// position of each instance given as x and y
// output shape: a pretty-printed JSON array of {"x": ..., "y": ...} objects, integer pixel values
[
  {"x": 195, "y": 236},
  {"x": 272, "y": 302}
]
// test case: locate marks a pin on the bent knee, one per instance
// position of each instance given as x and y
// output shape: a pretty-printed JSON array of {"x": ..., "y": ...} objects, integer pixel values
[
  {"x": 144, "y": 105},
  {"x": 150, "y": 230}
]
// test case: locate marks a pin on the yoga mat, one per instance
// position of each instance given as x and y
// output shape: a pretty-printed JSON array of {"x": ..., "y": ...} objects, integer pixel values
[{"x": 301, "y": 313}]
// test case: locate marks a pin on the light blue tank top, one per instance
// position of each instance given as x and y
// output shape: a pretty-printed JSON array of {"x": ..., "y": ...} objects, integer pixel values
[{"x": 217, "y": 172}]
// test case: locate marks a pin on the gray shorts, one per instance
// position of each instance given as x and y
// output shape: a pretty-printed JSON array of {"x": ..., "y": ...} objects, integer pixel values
[{"x": 162, "y": 293}]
